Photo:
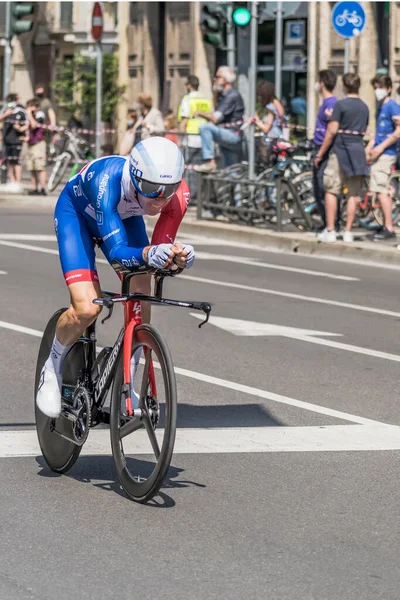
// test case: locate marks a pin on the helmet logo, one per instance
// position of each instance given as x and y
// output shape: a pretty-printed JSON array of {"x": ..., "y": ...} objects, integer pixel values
[
  {"x": 136, "y": 172},
  {"x": 169, "y": 176}
]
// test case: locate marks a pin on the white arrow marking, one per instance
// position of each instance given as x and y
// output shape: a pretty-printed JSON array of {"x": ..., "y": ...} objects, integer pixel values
[
  {"x": 255, "y": 263},
  {"x": 250, "y": 328}
]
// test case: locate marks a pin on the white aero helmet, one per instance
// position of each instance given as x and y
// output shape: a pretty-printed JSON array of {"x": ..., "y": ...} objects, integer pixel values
[{"x": 156, "y": 167}]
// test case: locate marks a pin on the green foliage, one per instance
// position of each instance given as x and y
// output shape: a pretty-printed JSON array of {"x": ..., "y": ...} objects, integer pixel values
[{"x": 75, "y": 86}]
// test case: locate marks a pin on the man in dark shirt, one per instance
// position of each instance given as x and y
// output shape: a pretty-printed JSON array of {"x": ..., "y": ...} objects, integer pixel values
[
  {"x": 325, "y": 86},
  {"x": 229, "y": 110},
  {"x": 15, "y": 124},
  {"x": 347, "y": 165}
]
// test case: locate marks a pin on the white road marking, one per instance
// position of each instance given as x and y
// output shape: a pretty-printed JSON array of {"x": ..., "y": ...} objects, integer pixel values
[
  {"x": 255, "y": 263},
  {"x": 32, "y": 237},
  {"x": 231, "y": 385},
  {"x": 41, "y": 249},
  {"x": 250, "y": 328},
  {"x": 335, "y": 438},
  {"x": 21, "y": 329},
  {"x": 253, "y": 329},
  {"x": 249, "y": 288},
  {"x": 5, "y": 241},
  {"x": 3, "y": 273},
  {"x": 238, "y": 286},
  {"x": 213, "y": 241}
]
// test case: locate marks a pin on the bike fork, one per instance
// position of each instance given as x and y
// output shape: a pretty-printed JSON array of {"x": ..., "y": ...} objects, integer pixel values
[{"x": 133, "y": 317}]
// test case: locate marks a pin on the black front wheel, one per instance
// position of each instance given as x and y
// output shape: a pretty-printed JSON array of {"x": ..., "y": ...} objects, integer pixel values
[
  {"x": 59, "y": 453},
  {"x": 151, "y": 435}
]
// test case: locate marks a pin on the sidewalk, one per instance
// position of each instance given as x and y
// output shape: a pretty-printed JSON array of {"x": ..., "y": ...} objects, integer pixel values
[{"x": 290, "y": 242}]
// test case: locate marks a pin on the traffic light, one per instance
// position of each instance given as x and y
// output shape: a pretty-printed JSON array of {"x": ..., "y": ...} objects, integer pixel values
[
  {"x": 213, "y": 24},
  {"x": 241, "y": 16},
  {"x": 19, "y": 24}
]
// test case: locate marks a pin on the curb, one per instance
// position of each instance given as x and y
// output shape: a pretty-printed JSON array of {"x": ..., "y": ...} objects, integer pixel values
[{"x": 10, "y": 199}]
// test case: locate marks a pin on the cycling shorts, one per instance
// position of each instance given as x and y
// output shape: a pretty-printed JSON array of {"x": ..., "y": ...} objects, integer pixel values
[{"x": 77, "y": 236}]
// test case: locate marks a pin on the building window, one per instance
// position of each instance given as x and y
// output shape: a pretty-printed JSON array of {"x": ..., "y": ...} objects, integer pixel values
[
  {"x": 115, "y": 9},
  {"x": 179, "y": 11},
  {"x": 66, "y": 13},
  {"x": 2, "y": 18},
  {"x": 136, "y": 12}
]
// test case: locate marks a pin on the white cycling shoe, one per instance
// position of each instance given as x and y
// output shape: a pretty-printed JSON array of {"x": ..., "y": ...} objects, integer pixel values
[{"x": 48, "y": 398}]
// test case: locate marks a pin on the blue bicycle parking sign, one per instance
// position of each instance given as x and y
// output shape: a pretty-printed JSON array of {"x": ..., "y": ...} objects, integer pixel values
[{"x": 348, "y": 19}]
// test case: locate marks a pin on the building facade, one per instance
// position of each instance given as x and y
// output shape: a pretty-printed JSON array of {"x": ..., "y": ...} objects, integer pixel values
[{"x": 160, "y": 43}]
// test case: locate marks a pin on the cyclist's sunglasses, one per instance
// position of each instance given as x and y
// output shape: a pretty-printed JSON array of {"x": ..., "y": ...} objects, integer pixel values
[{"x": 154, "y": 190}]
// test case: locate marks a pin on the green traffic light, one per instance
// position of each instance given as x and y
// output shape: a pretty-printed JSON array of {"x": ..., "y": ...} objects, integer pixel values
[{"x": 241, "y": 16}]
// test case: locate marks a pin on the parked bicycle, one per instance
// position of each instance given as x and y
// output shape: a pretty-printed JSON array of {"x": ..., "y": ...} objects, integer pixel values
[
  {"x": 72, "y": 149},
  {"x": 87, "y": 380}
]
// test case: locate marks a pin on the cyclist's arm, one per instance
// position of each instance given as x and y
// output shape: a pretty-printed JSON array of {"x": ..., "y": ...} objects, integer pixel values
[
  {"x": 171, "y": 216},
  {"x": 106, "y": 188}
]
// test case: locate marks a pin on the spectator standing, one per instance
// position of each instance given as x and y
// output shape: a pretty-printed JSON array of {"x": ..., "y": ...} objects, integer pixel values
[
  {"x": 15, "y": 126},
  {"x": 382, "y": 151},
  {"x": 324, "y": 87},
  {"x": 129, "y": 135},
  {"x": 36, "y": 155},
  {"x": 46, "y": 106},
  {"x": 298, "y": 108},
  {"x": 150, "y": 121},
  {"x": 347, "y": 165},
  {"x": 271, "y": 123},
  {"x": 229, "y": 111}
]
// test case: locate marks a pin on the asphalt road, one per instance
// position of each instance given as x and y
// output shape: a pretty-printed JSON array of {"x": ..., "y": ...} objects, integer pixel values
[{"x": 284, "y": 484}]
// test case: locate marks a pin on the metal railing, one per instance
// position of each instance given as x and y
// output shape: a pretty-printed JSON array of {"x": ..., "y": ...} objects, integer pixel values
[{"x": 247, "y": 201}]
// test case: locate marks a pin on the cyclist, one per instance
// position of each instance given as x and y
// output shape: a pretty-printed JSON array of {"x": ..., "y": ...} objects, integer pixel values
[{"x": 105, "y": 202}]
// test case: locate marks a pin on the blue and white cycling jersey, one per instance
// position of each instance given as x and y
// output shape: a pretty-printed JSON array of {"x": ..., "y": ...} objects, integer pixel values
[{"x": 100, "y": 203}]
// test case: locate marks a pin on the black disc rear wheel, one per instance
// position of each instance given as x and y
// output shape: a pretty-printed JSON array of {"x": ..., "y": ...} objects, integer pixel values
[
  {"x": 60, "y": 454},
  {"x": 151, "y": 436}
]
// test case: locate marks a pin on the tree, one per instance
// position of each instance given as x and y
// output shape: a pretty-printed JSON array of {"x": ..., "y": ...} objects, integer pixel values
[{"x": 75, "y": 86}]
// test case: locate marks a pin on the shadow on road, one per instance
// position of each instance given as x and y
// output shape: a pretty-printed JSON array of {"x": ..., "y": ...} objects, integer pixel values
[
  {"x": 100, "y": 472},
  {"x": 225, "y": 415}
]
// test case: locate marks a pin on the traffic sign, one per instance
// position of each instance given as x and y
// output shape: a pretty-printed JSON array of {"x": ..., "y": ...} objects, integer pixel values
[
  {"x": 97, "y": 21},
  {"x": 348, "y": 19}
]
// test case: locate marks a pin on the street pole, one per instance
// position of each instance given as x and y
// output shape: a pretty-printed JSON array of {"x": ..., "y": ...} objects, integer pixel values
[
  {"x": 278, "y": 50},
  {"x": 252, "y": 85},
  {"x": 230, "y": 38},
  {"x": 99, "y": 86},
  {"x": 7, "y": 53},
  {"x": 346, "y": 55}
]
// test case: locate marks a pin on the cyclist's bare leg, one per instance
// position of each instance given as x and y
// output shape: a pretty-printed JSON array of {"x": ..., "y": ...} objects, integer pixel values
[
  {"x": 81, "y": 312},
  {"x": 72, "y": 323}
]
